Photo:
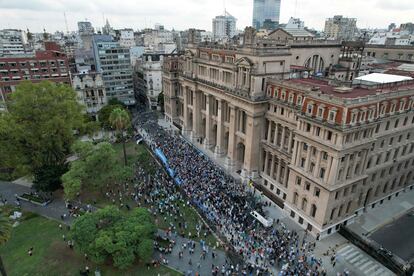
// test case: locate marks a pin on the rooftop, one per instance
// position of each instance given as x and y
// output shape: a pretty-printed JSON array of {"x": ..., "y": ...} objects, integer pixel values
[
  {"x": 345, "y": 92},
  {"x": 296, "y": 32},
  {"x": 378, "y": 78}
]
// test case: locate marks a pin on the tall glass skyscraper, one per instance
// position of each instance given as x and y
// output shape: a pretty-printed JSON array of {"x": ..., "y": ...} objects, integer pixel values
[{"x": 266, "y": 13}]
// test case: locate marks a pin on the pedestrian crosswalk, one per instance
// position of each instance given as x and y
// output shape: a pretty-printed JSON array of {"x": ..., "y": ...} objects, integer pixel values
[{"x": 359, "y": 260}]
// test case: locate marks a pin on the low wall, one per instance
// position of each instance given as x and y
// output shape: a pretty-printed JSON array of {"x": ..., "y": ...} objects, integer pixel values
[{"x": 392, "y": 262}]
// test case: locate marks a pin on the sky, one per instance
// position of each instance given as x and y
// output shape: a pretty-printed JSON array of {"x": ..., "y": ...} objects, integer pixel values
[{"x": 184, "y": 14}]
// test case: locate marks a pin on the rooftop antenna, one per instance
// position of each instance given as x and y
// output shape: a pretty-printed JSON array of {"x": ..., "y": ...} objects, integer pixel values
[
  {"x": 66, "y": 23},
  {"x": 224, "y": 6}
]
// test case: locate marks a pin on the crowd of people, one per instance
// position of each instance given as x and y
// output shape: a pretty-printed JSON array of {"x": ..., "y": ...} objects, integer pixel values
[{"x": 227, "y": 205}]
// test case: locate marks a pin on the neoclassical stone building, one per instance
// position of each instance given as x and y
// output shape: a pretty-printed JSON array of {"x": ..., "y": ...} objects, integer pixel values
[{"x": 310, "y": 144}]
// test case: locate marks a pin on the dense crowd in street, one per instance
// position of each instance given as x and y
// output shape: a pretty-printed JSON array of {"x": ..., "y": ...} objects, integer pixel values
[{"x": 227, "y": 205}]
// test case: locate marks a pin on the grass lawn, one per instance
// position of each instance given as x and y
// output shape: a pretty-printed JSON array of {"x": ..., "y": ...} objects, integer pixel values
[
  {"x": 51, "y": 256},
  {"x": 136, "y": 153}
]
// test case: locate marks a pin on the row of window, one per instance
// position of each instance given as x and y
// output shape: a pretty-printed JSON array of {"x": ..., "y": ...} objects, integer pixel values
[
  {"x": 369, "y": 114},
  {"x": 390, "y": 171},
  {"x": 304, "y": 205},
  {"x": 337, "y": 212},
  {"x": 387, "y": 158},
  {"x": 397, "y": 123},
  {"x": 319, "y": 132},
  {"x": 33, "y": 63},
  {"x": 217, "y": 58}
]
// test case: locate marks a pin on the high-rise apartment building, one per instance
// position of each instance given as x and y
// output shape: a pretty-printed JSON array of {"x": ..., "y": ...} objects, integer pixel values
[
  {"x": 324, "y": 152},
  {"x": 224, "y": 27},
  {"x": 340, "y": 28},
  {"x": 266, "y": 11},
  {"x": 13, "y": 42},
  {"x": 113, "y": 62},
  {"x": 85, "y": 31}
]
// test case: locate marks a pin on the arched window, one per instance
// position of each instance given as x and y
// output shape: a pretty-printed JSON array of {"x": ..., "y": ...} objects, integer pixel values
[
  {"x": 295, "y": 198},
  {"x": 313, "y": 210},
  {"x": 304, "y": 204}
]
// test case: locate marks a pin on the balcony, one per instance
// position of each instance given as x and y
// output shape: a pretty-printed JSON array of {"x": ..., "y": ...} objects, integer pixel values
[{"x": 233, "y": 91}]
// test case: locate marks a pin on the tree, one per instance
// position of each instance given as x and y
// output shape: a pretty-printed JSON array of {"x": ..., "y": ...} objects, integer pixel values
[
  {"x": 5, "y": 233},
  {"x": 120, "y": 121},
  {"x": 41, "y": 125},
  {"x": 110, "y": 234},
  {"x": 105, "y": 112},
  {"x": 96, "y": 166}
]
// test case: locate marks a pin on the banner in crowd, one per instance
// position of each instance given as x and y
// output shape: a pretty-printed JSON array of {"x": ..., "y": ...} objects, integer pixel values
[{"x": 170, "y": 171}]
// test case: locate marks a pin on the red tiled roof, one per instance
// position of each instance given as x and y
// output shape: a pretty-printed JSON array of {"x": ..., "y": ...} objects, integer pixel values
[{"x": 356, "y": 92}]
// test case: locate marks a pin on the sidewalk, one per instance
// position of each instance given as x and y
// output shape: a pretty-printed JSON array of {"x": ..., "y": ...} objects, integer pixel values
[
  {"x": 383, "y": 214},
  {"x": 53, "y": 210},
  {"x": 198, "y": 264}
]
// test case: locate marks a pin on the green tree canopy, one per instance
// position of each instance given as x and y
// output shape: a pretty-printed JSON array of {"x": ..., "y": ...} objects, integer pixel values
[
  {"x": 39, "y": 129},
  {"x": 111, "y": 234},
  {"x": 96, "y": 166},
  {"x": 121, "y": 121},
  {"x": 105, "y": 112}
]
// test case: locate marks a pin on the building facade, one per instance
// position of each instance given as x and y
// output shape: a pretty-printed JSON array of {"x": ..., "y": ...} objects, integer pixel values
[
  {"x": 391, "y": 52},
  {"x": 323, "y": 152},
  {"x": 114, "y": 63},
  {"x": 224, "y": 27},
  {"x": 340, "y": 28},
  {"x": 149, "y": 74},
  {"x": 90, "y": 90},
  {"x": 127, "y": 38},
  {"x": 265, "y": 11},
  {"x": 42, "y": 65},
  {"x": 13, "y": 42},
  {"x": 85, "y": 31}
]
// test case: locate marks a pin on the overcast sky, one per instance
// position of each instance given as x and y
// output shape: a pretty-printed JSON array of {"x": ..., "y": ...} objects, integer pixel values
[{"x": 183, "y": 14}]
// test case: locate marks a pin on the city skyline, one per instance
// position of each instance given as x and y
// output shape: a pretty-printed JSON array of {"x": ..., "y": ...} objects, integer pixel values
[{"x": 39, "y": 14}]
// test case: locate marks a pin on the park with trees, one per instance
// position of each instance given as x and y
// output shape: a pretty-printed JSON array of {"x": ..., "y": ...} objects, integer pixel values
[{"x": 40, "y": 137}]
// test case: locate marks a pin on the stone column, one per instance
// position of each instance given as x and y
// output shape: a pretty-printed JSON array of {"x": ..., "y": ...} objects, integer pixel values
[
  {"x": 354, "y": 165},
  {"x": 231, "y": 151},
  {"x": 186, "y": 128},
  {"x": 279, "y": 171},
  {"x": 209, "y": 133},
  {"x": 345, "y": 171},
  {"x": 294, "y": 153},
  {"x": 219, "y": 150},
  {"x": 333, "y": 170},
  {"x": 269, "y": 132},
  {"x": 318, "y": 163},
  {"x": 282, "y": 142},
  {"x": 308, "y": 158},
  {"x": 272, "y": 167},
  {"x": 285, "y": 176},
  {"x": 252, "y": 145},
  {"x": 276, "y": 134},
  {"x": 196, "y": 115},
  {"x": 290, "y": 141},
  {"x": 364, "y": 162},
  {"x": 266, "y": 165},
  {"x": 298, "y": 153}
]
